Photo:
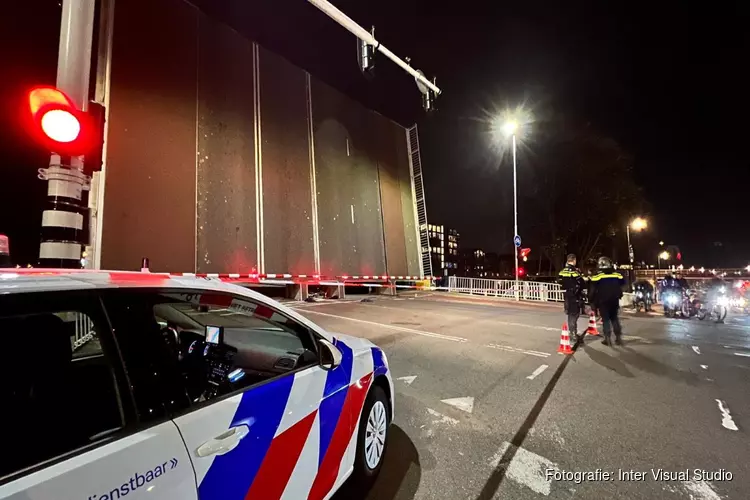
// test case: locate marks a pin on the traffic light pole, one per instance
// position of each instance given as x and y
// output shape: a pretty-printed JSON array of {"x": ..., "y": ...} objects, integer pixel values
[{"x": 63, "y": 236}]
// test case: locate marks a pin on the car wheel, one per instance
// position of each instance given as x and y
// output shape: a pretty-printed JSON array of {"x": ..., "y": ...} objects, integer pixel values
[{"x": 372, "y": 440}]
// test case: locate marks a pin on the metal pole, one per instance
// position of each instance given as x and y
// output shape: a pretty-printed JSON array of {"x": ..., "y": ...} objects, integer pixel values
[
  {"x": 630, "y": 254},
  {"x": 515, "y": 213},
  {"x": 62, "y": 222},
  {"x": 345, "y": 21}
]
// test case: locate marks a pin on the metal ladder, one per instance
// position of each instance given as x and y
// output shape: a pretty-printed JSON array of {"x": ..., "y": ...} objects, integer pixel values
[{"x": 415, "y": 162}]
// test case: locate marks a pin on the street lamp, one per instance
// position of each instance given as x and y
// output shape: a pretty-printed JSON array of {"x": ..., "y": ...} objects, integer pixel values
[
  {"x": 513, "y": 124},
  {"x": 510, "y": 127},
  {"x": 638, "y": 224},
  {"x": 664, "y": 256}
]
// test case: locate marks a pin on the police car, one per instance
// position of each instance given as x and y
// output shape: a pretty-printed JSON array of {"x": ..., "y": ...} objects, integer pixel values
[{"x": 142, "y": 385}]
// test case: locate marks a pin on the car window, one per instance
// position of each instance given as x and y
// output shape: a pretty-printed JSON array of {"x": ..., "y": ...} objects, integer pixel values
[
  {"x": 217, "y": 343},
  {"x": 59, "y": 389}
]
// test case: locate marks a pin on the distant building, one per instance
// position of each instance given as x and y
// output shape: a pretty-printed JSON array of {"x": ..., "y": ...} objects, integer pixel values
[
  {"x": 443, "y": 250},
  {"x": 472, "y": 263},
  {"x": 451, "y": 253}
]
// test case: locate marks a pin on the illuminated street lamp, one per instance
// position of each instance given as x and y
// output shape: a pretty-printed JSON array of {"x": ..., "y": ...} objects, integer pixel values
[
  {"x": 663, "y": 256},
  {"x": 513, "y": 124},
  {"x": 638, "y": 224}
]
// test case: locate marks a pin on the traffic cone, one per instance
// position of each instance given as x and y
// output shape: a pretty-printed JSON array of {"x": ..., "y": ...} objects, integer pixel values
[
  {"x": 565, "y": 341},
  {"x": 591, "y": 330}
]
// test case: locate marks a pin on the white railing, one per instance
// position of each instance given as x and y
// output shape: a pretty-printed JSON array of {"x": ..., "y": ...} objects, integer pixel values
[
  {"x": 506, "y": 289},
  {"x": 84, "y": 331}
]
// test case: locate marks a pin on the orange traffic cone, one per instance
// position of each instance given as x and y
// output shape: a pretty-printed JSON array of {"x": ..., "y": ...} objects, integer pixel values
[
  {"x": 591, "y": 330},
  {"x": 565, "y": 347}
]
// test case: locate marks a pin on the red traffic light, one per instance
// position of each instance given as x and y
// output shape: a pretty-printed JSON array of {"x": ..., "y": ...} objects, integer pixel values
[
  {"x": 58, "y": 125},
  {"x": 679, "y": 255},
  {"x": 521, "y": 272}
]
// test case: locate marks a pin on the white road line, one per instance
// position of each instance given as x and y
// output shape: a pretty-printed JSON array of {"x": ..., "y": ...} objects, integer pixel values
[
  {"x": 696, "y": 349},
  {"x": 442, "y": 419},
  {"x": 392, "y": 327},
  {"x": 726, "y": 418},
  {"x": 537, "y": 372},
  {"x": 516, "y": 349},
  {"x": 528, "y": 469},
  {"x": 495, "y": 322},
  {"x": 745, "y": 355},
  {"x": 705, "y": 367},
  {"x": 408, "y": 380},
  {"x": 464, "y": 404}
]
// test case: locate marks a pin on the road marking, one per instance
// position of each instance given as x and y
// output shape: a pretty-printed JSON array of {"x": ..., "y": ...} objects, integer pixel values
[
  {"x": 705, "y": 367},
  {"x": 527, "y": 468},
  {"x": 537, "y": 372},
  {"x": 392, "y": 327},
  {"x": 726, "y": 417},
  {"x": 408, "y": 380},
  {"x": 742, "y": 354},
  {"x": 696, "y": 349},
  {"x": 464, "y": 404},
  {"x": 492, "y": 320},
  {"x": 442, "y": 419},
  {"x": 516, "y": 349}
]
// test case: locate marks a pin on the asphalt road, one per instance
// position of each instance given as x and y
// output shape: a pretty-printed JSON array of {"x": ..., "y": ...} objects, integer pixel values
[{"x": 487, "y": 409}]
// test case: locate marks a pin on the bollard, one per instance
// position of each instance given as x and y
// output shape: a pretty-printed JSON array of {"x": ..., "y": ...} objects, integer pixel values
[{"x": 144, "y": 265}]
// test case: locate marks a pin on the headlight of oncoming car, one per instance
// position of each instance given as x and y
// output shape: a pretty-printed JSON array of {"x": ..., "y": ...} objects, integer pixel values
[{"x": 723, "y": 301}]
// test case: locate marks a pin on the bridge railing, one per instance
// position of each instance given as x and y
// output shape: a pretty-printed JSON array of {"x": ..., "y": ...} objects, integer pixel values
[{"x": 506, "y": 289}]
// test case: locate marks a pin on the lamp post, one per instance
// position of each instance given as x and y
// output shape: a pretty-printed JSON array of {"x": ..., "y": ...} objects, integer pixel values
[
  {"x": 663, "y": 256},
  {"x": 638, "y": 224},
  {"x": 512, "y": 124},
  {"x": 510, "y": 128}
]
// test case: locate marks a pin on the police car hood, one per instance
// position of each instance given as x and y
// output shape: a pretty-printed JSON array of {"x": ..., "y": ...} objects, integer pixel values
[{"x": 355, "y": 343}]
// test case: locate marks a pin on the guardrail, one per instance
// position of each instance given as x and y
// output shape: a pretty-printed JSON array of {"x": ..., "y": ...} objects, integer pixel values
[{"x": 506, "y": 289}]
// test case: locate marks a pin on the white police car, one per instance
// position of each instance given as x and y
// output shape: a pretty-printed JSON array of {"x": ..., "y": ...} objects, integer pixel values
[{"x": 136, "y": 385}]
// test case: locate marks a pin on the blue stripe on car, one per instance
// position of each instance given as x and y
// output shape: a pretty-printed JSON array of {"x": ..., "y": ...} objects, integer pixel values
[
  {"x": 379, "y": 367},
  {"x": 334, "y": 395},
  {"x": 261, "y": 409}
]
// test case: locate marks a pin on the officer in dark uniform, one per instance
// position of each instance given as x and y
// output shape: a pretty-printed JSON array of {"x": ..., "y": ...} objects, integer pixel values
[
  {"x": 607, "y": 291},
  {"x": 573, "y": 283}
]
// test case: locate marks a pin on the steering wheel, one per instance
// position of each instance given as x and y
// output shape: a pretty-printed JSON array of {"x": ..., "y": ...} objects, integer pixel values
[{"x": 171, "y": 339}]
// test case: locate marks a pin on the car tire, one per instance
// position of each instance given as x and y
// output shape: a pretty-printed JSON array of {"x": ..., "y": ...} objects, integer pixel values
[{"x": 375, "y": 416}]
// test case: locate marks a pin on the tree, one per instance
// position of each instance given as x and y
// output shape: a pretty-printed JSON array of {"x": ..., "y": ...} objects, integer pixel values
[{"x": 583, "y": 188}]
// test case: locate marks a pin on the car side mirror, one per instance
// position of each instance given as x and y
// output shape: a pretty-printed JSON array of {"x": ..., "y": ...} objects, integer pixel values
[{"x": 330, "y": 355}]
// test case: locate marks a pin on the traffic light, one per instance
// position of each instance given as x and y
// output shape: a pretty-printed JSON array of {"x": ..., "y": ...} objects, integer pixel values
[
  {"x": 523, "y": 254},
  {"x": 521, "y": 272},
  {"x": 60, "y": 127},
  {"x": 366, "y": 57}
]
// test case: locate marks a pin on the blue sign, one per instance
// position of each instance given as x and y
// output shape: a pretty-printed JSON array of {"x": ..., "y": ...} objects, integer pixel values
[{"x": 517, "y": 241}]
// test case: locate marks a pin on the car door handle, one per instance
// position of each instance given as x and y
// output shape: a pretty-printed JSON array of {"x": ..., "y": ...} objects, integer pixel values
[{"x": 223, "y": 443}]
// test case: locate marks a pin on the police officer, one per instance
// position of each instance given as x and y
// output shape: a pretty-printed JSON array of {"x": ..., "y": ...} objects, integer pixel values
[
  {"x": 573, "y": 283},
  {"x": 607, "y": 291}
]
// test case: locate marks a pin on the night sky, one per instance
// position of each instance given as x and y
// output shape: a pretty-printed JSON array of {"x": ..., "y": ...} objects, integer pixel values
[{"x": 667, "y": 82}]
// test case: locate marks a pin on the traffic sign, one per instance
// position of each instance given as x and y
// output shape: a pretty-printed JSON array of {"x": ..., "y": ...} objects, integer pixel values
[{"x": 517, "y": 241}]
